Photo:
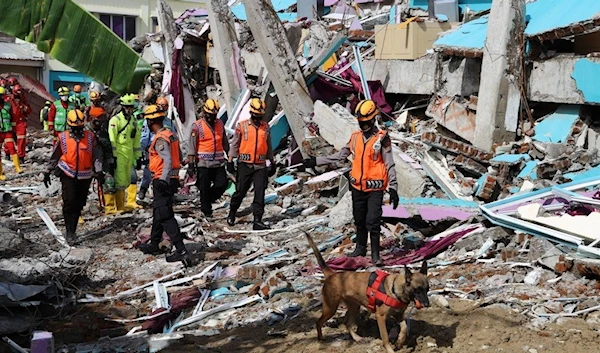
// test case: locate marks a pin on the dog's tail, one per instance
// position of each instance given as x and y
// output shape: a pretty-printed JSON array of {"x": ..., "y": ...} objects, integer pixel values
[{"x": 326, "y": 270}]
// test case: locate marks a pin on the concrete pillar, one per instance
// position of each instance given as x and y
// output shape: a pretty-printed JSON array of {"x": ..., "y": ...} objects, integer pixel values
[
  {"x": 224, "y": 37},
  {"x": 500, "y": 74},
  {"x": 280, "y": 61}
]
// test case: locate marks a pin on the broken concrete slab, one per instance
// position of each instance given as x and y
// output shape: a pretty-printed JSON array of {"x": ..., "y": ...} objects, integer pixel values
[
  {"x": 24, "y": 270},
  {"x": 341, "y": 213},
  {"x": 10, "y": 242},
  {"x": 556, "y": 127},
  {"x": 455, "y": 113}
]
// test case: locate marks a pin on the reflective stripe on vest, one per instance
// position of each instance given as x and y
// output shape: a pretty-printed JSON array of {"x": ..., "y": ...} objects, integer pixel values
[
  {"x": 210, "y": 143},
  {"x": 157, "y": 163},
  {"x": 368, "y": 170},
  {"x": 77, "y": 156},
  {"x": 254, "y": 144},
  {"x": 5, "y": 118},
  {"x": 60, "y": 119}
]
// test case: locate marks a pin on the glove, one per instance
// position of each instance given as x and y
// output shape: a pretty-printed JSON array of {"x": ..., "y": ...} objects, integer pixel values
[
  {"x": 191, "y": 171},
  {"x": 231, "y": 167},
  {"x": 138, "y": 164},
  {"x": 272, "y": 170},
  {"x": 47, "y": 181},
  {"x": 101, "y": 178},
  {"x": 394, "y": 198},
  {"x": 310, "y": 162}
]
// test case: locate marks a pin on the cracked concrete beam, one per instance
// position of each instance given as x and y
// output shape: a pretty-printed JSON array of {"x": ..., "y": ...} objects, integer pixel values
[{"x": 280, "y": 61}]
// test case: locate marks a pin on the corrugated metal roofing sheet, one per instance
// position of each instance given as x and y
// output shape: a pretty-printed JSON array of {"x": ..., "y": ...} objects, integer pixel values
[{"x": 20, "y": 51}]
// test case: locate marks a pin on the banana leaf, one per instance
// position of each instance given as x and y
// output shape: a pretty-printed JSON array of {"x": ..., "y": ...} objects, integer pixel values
[{"x": 73, "y": 36}]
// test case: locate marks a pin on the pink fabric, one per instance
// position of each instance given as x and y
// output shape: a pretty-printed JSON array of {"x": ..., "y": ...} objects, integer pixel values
[
  {"x": 430, "y": 249},
  {"x": 176, "y": 87}
]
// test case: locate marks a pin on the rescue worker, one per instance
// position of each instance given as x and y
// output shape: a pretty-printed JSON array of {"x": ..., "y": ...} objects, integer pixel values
[
  {"x": 146, "y": 140},
  {"x": 98, "y": 124},
  {"x": 208, "y": 144},
  {"x": 57, "y": 115},
  {"x": 6, "y": 135},
  {"x": 20, "y": 111},
  {"x": 3, "y": 84},
  {"x": 125, "y": 140},
  {"x": 78, "y": 158},
  {"x": 250, "y": 145},
  {"x": 95, "y": 101},
  {"x": 44, "y": 115},
  {"x": 78, "y": 100},
  {"x": 372, "y": 172},
  {"x": 132, "y": 189},
  {"x": 165, "y": 157}
]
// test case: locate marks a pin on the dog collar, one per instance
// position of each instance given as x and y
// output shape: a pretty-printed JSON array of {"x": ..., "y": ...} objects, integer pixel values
[{"x": 377, "y": 295}]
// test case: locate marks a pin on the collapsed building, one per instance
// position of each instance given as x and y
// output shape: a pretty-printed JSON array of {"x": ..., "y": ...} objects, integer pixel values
[{"x": 495, "y": 146}]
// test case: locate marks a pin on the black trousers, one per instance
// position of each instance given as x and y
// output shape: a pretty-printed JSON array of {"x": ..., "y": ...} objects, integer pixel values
[
  {"x": 212, "y": 183},
  {"x": 246, "y": 176},
  {"x": 74, "y": 196},
  {"x": 367, "y": 212},
  {"x": 163, "y": 217}
]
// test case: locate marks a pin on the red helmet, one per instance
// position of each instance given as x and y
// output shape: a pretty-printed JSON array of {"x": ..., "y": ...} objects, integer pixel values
[
  {"x": 17, "y": 89},
  {"x": 12, "y": 81}
]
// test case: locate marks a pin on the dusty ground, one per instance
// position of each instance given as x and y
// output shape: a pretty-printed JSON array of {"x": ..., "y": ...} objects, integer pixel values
[{"x": 458, "y": 329}]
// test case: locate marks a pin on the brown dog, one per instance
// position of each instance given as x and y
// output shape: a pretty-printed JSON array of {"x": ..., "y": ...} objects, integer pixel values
[{"x": 351, "y": 288}]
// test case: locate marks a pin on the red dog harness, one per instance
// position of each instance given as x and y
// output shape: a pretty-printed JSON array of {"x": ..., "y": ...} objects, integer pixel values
[{"x": 376, "y": 293}]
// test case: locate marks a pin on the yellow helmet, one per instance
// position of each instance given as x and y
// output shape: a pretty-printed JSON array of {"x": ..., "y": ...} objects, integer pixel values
[
  {"x": 75, "y": 118},
  {"x": 127, "y": 100},
  {"x": 257, "y": 106},
  {"x": 94, "y": 95},
  {"x": 366, "y": 110},
  {"x": 211, "y": 106},
  {"x": 63, "y": 91},
  {"x": 2, "y": 90},
  {"x": 153, "y": 112}
]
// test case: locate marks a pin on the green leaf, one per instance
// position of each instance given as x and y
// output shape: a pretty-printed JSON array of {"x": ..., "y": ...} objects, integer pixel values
[{"x": 76, "y": 38}]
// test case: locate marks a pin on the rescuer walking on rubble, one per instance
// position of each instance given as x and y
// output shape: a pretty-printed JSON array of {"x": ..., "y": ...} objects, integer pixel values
[
  {"x": 98, "y": 124},
  {"x": 78, "y": 100},
  {"x": 207, "y": 147},
  {"x": 95, "y": 102},
  {"x": 125, "y": 140},
  {"x": 78, "y": 158},
  {"x": 44, "y": 115},
  {"x": 250, "y": 144},
  {"x": 147, "y": 136},
  {"x": 6, "y": 134},
  {"x": 372, "y": 172},
  {"x": 165, "y": 161},
  {"x": 57, "y": 115},
  {"x": 20, "y": 111}
]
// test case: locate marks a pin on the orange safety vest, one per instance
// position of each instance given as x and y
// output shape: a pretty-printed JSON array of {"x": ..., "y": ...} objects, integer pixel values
[
  {"x": 77, "y": 156},
  {"x": 157, "y": 163},
  {"x": 254, "y": 144},
  {"x": 368, "y": 170},
  {"x": 210, "y": 143}
]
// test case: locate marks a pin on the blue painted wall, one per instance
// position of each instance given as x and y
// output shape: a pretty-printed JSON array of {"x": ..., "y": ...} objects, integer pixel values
[
  {"x": 474, "y": 5},
  {"x": 587, "y": 76}
]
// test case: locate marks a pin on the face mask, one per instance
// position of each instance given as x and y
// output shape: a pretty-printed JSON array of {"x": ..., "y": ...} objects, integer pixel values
[
  {"x": 366, "y": 125},
  {"x": 64, "y": 98}
]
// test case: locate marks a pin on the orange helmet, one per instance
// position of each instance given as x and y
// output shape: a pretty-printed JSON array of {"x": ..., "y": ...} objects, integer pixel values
[
  {"x": 162, "y": 102},
  {"x": 77, "y": 88},
  {"x": 96, "y": 112}
]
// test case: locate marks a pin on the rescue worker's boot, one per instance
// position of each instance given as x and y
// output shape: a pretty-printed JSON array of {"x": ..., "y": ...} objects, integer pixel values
[
  {"x": 71, "y": 226},
  {"x": 142, "y": 194},
  {"x": 110, "y": 205},
  {"x": 231, "y": 217},
  {"x": 120, "y": 200},
  {"x": 17, "y": 163},
  {"x": 361, "y": 244},
  {"x": 150, "y": 248},
  {"x": 131, "y": 195},
  {"x": 375, "y": 241},
  {"x": 2, "y": 176},
  {"x": 179, "y": 253},
  {"x": 259, "y": 225}
]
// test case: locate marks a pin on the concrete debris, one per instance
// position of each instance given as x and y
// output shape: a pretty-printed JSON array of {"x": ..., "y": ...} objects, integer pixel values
[{"x": 498, "y": 182}]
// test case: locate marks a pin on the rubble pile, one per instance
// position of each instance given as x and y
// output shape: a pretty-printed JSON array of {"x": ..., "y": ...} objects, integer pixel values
[{"x": 508, "y": 230}]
